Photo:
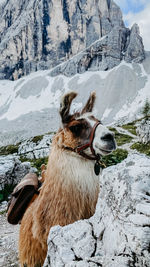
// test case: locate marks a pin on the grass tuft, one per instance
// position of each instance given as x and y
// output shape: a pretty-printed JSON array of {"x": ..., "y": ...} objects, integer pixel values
[
  {"x": 36, "y": 162},
  {"x": 37, "y": 139},
  {"x": 130, "y": 127},
  {"x": 142, "y": 148},
  {"x": 115, "y": 157},
  {"x": 10, "y": 149}
]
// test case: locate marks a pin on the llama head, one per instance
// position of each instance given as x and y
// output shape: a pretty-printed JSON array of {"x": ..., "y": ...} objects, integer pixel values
[{"x": 82, "y": 128}]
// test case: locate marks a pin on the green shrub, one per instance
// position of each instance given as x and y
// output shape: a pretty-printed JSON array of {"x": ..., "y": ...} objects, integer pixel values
[
  {"x": 115, "y": 157},
  {"x": 37, "y": 139},
  {"x": 142, "y": 148},
  {"x": 10, "y": 149},
  {"x": 2, "y": 212},
  {"x": 146, "y": 109},
  {"x": 6, "y": 191}
]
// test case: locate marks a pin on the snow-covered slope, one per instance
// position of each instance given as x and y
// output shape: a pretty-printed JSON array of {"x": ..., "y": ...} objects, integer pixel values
[{"x": 30, "y": 105}]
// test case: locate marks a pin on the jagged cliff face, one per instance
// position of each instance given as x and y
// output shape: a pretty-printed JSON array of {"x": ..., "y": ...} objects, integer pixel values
[{"x": 40, "y": 34}]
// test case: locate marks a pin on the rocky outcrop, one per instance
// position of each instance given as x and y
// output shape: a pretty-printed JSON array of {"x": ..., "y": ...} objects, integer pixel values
[
  {"x": 119, "y": 232},
  {"x": 143, "y": 131},
  {"x": 35, "y": 148},
  {"x": 37, "y": 35},
  {"x": 135, "y": 48},
  {"x": 12, "y": 170},
  {"x": 105, "y": 53}
]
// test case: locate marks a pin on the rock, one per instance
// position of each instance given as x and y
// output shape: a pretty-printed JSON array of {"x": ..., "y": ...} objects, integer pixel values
[
  {"x": 12, "y": 170},
  {"x": 135, "y": 50},
  {"x": 37, "y": 35},
  {"x": 143, "y": 131},
  {"x": 35, "y": 148},
  {"x": 119, "y": 232},
  {"x": 104, "y": 54}
]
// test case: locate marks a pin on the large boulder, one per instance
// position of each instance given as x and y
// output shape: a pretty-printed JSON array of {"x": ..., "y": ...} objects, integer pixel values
[
  {"x": 12, "y": 170},
  {"x": 118, "y": 235}
]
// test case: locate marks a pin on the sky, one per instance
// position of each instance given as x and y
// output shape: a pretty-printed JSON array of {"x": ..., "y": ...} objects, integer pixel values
[{"x": 137, "y": 11}]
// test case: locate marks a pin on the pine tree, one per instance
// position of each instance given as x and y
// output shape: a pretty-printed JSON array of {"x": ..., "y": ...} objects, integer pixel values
[{"x": 146, "y": 109}]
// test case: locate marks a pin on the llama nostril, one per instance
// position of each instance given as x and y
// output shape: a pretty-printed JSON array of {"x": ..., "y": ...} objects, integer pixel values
[{"x": 107, "y": 137}]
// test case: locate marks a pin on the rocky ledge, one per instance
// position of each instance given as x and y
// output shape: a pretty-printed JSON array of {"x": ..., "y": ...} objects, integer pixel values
[{"x": 119, "y": 232}]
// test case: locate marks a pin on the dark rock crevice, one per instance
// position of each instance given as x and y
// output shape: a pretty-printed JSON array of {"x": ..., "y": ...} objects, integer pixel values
[{"x": 46, "y": 22}]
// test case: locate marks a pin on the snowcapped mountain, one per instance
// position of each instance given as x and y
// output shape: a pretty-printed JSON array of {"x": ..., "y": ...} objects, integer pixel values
[{"x": 29, "y": 106}]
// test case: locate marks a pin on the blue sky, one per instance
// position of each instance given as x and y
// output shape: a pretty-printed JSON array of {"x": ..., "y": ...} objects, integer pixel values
[
  {"x": 137, "y": 11},
  {"x": 131, "y": 6}
]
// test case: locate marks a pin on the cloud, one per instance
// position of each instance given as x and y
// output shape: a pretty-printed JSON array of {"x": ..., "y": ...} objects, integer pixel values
[{"x": 142, "y": 18}]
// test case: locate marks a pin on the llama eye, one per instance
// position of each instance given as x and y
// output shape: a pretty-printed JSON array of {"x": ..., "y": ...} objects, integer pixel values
[{"x": 76, "y": 129}]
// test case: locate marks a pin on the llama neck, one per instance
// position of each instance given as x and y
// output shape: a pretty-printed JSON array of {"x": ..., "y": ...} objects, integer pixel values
[
  {"x": 69, "y": 168},
  {"x": 69, "y": 192}
]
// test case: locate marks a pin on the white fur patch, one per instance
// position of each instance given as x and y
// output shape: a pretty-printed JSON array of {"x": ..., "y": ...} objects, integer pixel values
[
  {"x": 100, "y": 132},
  {"x": 80, "y": 171},
  {"x": 98, "y": 143}
]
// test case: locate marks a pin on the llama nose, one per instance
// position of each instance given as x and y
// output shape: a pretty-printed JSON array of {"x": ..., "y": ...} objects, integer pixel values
[
  {"x": 108, "y": 137},
  {"x": 110, "y": 140}
]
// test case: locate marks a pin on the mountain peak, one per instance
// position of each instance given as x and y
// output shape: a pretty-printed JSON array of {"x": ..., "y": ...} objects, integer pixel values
[{"x": 36, "y": 35}]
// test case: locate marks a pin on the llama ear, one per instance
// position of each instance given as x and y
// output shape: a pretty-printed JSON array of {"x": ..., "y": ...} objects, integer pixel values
[
  {"x": 65, "y": 106},
  {"x": 90, "y": 103}
]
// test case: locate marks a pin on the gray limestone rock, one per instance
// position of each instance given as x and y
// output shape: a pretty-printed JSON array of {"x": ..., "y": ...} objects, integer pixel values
[
  {"x": 12, "y": 170},
  {"x": 37, "y": 35},
  {"x": 135, "y": 49},
  {"x": 104, "y": 54},
  {"x": 35, "y": 148},
  {"x": 119, "y": 232},
  {"x": 143, "y": 131}
]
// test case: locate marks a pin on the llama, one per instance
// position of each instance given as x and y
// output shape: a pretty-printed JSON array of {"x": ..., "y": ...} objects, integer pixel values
[{"x": 71, "y": 185}]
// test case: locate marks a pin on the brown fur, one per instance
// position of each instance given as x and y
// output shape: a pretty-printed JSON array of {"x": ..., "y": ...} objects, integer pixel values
[
  {"x": 90, "y": 103},
  {"x": 61, "y": 200}
]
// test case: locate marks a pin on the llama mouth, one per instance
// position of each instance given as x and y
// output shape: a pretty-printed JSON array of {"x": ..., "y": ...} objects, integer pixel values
[{"x": 105, "y": 151}]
